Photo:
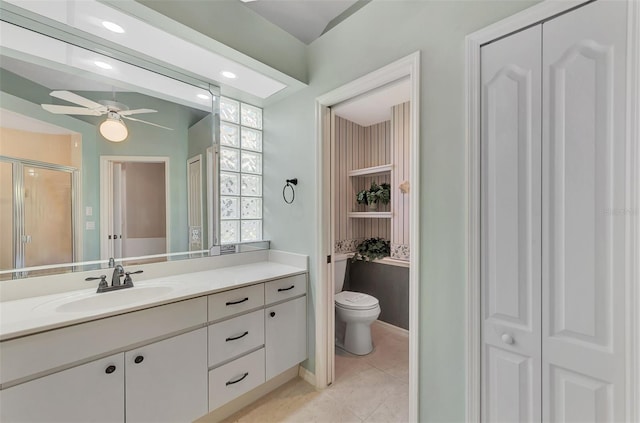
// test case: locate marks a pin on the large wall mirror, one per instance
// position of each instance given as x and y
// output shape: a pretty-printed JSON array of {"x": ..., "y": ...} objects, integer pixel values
[{"x": 100, "y": 158}]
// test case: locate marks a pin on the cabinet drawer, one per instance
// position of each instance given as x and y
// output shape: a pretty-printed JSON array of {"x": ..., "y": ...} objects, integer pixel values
[
  {"x": 282, "y": 289},
  {"x": 236, "y": 336},
  {"x": 236, "y": 378},
  {"x": 235, "y": 301}
]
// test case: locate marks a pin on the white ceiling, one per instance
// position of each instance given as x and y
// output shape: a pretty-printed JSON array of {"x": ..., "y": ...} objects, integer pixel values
[
  {"x": 304, "y": 19},
  {"x": 88, "y": 15},
  {"x": 375, "y": 106},
  {"x": 53, "y": 79}
]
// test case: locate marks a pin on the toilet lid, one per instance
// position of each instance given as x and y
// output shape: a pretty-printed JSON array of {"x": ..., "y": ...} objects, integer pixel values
[{"x": 355, "y": 300}]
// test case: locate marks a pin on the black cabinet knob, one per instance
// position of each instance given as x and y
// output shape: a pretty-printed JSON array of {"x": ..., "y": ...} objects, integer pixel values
[
  {"x": 139, "y": 359},
  {"x": 110, "y": 369},
  {"x": 272, "y": 314}
]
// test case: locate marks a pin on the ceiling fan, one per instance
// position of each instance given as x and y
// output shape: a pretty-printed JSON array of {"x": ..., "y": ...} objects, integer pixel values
[{"x": 113, "y": 128}]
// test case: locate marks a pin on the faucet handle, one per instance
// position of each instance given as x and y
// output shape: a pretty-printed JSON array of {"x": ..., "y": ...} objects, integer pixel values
[
  {"x": 103, "y": 282},
  {"x": 93, "y": 278},
  {"x": 127, "y": 277}
]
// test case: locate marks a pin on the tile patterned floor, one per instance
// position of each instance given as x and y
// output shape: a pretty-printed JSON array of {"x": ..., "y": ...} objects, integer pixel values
[{"x": 373, "y": 388}]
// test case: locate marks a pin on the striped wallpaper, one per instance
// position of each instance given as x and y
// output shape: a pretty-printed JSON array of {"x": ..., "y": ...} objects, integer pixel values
[
  {"x": 358, "y": 147},
  {"x": 400, "y": 134}
]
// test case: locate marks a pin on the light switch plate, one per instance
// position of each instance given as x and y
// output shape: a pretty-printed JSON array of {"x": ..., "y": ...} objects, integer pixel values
[
  {"x": 90, "y": 226},
  {"x": 88, "y": 211}
]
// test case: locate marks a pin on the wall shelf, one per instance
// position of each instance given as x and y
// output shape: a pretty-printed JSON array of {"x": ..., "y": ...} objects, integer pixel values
[
  {"x": 371, "y": 215},
  {"x": 368, "y": 171}
]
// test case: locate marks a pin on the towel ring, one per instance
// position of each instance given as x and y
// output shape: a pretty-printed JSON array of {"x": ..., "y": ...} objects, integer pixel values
[{"x": 290, "y": 183}]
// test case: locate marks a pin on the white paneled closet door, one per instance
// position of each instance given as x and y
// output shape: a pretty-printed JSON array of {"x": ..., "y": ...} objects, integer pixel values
[
  {"x": 584, "y": 62},
  {"x": 511, "y": 228}
]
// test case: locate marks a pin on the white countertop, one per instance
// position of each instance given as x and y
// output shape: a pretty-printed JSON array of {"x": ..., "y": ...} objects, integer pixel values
[{"x": 37, "y": 314}]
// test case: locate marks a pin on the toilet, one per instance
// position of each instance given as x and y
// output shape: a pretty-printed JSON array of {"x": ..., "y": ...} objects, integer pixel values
[{"x": 355, "y": 311}]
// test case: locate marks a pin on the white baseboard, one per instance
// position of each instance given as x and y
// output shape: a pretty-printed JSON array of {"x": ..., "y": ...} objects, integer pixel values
[
  {"x": 249, "y": 398},
  {"x": 307, "y": 376},
  {"x": 392, "y": 328}
]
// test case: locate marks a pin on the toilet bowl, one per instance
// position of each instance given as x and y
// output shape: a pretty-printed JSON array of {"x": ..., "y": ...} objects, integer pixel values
[{"x": 355, "y": 311}]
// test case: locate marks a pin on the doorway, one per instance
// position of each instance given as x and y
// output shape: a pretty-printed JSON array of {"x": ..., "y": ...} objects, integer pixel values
[
  {"x": 128, "y": 186},
  {"x": 37, "y": 213},
  {"x": 325, "y": 319}
]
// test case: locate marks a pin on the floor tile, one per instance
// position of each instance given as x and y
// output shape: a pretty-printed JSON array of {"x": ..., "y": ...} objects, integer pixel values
[{"x": 371, "y": 388}]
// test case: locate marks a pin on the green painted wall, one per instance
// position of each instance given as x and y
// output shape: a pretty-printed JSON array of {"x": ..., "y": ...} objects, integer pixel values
[
  {"x": 381, "y": 32},
  {"x": 143, "y": 140}
]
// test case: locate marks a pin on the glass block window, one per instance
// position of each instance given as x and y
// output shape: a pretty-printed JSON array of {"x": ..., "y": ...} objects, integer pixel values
[{"x": 240, "y": 172}]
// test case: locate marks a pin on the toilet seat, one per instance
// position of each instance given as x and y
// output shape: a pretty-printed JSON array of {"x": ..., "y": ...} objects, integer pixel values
[{"x": 355, "y": 300}]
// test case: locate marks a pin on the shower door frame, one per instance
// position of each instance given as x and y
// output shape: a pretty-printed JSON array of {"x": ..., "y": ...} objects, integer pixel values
[{"x": 17, "y": 170}]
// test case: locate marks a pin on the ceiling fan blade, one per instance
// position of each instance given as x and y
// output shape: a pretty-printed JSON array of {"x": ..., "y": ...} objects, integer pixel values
[
  {"x": 148, "y": 123},
  {"x": 75, "y": 98},
  {"x": 70, "y": 110},
  {"x": 135, "y": 112}
]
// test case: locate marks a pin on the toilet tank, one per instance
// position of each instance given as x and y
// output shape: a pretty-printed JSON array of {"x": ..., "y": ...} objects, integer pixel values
[{"x": 340, "y": 269}]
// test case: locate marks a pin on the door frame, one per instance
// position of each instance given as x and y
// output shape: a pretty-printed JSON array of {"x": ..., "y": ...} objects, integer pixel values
[
  {"x": 408, "y": 66},
  {"x": 197, "y": 158},
  {"x": 535, "y": 15},
  {"x": 106, "y": 198}
]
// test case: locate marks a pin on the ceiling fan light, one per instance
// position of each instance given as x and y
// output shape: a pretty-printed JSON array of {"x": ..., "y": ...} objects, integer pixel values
[{"x": 114, "y": 130}]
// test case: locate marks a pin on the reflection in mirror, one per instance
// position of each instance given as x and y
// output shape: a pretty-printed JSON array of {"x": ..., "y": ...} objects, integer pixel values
[{"x": 114, "y": 161}]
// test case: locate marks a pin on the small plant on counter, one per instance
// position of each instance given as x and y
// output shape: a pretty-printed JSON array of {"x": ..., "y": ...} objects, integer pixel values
[
  {"x": 371, "y": 249},
  {"x": 374, "y": 195}
]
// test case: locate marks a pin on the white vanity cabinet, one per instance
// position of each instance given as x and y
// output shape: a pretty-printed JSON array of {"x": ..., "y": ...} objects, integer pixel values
[
  {"x": 250, "y": 343},
  {"x": 167, "y": 381},
  {"x": 92, "y": 392},
  {"x": 169, "y": 363},
  {"x": 168, "y": 385},
  {"x": 285, "y": 324}
]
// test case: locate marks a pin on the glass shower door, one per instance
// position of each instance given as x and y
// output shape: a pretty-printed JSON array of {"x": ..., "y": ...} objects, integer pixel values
[
  {"x": 7, "y": 249},
  {"x": 48, "y": 216}
]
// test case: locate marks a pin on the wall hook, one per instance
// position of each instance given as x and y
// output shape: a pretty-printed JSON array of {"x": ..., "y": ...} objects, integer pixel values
[{"x": 290, "y": 183}]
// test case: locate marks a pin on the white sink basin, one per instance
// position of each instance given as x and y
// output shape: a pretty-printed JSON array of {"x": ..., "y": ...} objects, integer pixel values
[{"x": 106, "y": 300}]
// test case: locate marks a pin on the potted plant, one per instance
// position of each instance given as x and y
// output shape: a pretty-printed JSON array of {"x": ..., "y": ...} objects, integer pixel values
[
  {"x": 371, "y": 249},
  {"x": 374, "y": 195}
]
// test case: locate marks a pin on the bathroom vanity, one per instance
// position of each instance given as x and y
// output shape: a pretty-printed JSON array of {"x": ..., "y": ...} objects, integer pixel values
[{"x": 170, "y": 349}]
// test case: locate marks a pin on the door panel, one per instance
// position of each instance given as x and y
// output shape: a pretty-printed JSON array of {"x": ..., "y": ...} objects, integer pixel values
[
  {"x": 510, "y": 225},
  {"x": 48, "y": 207},
  {"x": 584, "y": 241},
  {"x": 7, "y": 250},
  {"x": 509, "y": 386}
]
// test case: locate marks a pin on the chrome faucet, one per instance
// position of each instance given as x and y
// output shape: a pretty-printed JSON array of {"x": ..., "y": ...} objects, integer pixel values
[{"x": 118, "y": 272}]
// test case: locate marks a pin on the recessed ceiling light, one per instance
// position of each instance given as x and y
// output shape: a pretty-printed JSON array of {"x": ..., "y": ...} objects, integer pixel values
[
  {"x": 113, "y": 27},
  {"x": 204, "y": 97},
  {"x": 103, "y": 65},
  {"x": 228, "y": 74}
]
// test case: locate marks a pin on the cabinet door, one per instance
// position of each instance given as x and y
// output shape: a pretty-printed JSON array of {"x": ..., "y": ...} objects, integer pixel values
[
  {"x": 511, "y": 225},
  {"x": 92, "y": 392},
  {"x": 583, "y": 275},
  {"x": 285, "y": 335},
  {"x": 167, "y": 381}
]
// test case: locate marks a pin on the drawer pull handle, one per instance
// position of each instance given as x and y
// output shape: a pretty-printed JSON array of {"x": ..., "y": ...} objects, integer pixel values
[
  {"x": 286, "y": 289},
  {"x": 239, "y": 380},
  {"x": 110, "y": 369},
  {"x": 139, "y": 359},
  {"x": 237, "y": 337},
  {"x": 237, "y": 302},
  {"x": 272, "y": 314}
]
